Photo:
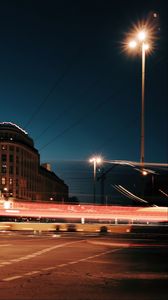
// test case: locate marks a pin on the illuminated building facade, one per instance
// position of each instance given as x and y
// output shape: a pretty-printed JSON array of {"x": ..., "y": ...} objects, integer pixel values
[{"x": 21, "y": 175}]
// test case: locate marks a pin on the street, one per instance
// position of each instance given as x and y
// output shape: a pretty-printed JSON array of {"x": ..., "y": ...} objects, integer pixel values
[{"x": 74, "y": 266}]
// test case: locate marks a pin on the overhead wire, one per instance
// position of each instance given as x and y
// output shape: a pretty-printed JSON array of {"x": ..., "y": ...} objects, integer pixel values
[
  {"x": 80, "y": 120},
  {"x": 57, "y": 82},
  {"x": 66, "y": 110}
]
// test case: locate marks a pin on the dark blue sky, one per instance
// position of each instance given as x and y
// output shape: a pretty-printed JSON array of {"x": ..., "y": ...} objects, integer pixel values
[{"x": 65, "y": 79}]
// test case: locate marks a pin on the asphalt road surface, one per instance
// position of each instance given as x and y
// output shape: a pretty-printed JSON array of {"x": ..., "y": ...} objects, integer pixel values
[{"x": 82, "y": 267}]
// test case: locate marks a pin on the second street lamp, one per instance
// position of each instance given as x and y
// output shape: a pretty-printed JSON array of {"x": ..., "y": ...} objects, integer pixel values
[
  {"x": 140, "y": 41},
  {"x": 95, "y": 160}
]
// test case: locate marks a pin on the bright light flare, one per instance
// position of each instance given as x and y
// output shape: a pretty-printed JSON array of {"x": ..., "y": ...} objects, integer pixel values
[
  {"x": 132, "y": 44},
  {"x": 144, "y": 173},
  {"x": 142, "y": 35},
  {"x": 96, "y": 159},
  {"x": 146, "y": 46}
]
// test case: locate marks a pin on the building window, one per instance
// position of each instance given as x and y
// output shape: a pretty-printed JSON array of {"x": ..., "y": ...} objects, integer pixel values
[
  {"x": 11, "y": 148},
  {"x": 11, "y": 157},
  {"x": 10, "y": 181},
  {"x": 4, "y": 147},
  {"x": 3, "y": 169},
  {"x": 10, "y": 193},
  {"x": 11, "y": 170},
  {"x": 17, "y": 171},
  {"x": 3, "y": 180},
  {"x": 3, "y": 157}
]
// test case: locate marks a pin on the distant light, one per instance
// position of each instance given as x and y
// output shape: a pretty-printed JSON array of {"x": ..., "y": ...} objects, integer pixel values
[
  {"x": 96, "y": 159},
  {"x": 6, "y": 205},
  {"x": 144, "y": 173}
]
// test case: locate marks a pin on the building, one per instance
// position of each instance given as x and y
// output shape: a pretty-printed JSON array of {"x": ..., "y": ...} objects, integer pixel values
[{"x": 21, "y": 175}]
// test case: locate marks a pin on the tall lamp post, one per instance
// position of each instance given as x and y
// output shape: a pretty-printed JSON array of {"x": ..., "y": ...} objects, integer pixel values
[
  {"x": 95, "y": 160},
  {"x": 141, "y": 41}
]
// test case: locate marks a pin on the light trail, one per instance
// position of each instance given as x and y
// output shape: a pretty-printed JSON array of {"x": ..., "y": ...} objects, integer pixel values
[
  {"x": 135, "y": 163},
  {"x": 79, "y": 213},
  {"x": 127, "y": 193}
]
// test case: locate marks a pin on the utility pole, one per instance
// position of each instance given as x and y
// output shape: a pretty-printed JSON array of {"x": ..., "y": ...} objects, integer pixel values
[{"x": 102, "y": 179}]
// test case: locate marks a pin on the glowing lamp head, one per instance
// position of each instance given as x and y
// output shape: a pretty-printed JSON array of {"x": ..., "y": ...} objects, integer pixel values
[
  {"x": 96, "y": 159},
  {"x": 132, "y": 44},
  {"x": 142, "y": 36},
  {"x": 144, "y": 172},
  {"x": 146, "y": 46}
]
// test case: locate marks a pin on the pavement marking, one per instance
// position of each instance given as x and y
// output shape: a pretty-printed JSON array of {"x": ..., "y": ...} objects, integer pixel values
[
  {"x": 61, "y": 265},
  {"x": 12, "y": 278},
  {"x": 72, "y": 262},
  {"x": 109, "y": 243},
  {"x": 124, "y": 245},
  {"x": 82, "y": 259},
  {"x": 31, "y": 273},
  {"x": 139, "y": 276},
  {"x": 5, "y": 263},
  {"x": 5, "y": 245},
  {"x": 16, "y": 259},
  {"x": 35, "y": 254},
  {"x": 49, "y": 268}
]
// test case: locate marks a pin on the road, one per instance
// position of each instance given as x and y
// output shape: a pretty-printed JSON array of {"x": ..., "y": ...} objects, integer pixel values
[{"x": 85, "y": 267}]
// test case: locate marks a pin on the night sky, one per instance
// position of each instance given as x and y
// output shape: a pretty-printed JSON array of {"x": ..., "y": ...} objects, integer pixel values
[{"x": 66, "y": 80}]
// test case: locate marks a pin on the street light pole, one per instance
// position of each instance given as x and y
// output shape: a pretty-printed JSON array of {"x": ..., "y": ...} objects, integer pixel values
[
  {"x": 94, "y": 180},
  {"x": 140, "y": 39},
  {"x": 142, "y": 154},
  {"x": 95, "y": 161}
]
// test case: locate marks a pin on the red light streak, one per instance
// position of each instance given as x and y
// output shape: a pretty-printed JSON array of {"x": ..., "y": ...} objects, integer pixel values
[{"x": 48, "y": 210}]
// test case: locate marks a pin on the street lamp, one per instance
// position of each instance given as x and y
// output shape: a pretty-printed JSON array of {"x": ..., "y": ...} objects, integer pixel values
[
  {"x": 95, "y": 160},
  {"x": 141, "y": 42}
]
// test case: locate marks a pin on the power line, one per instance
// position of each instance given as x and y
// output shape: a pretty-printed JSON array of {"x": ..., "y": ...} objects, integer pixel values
[
  {"x": 45, "y": 100},
  {"x": 126, "y": 126},
  {"x": 54, "y": 121},
  {"x": 66, "y": 110},
  {"x": 57, "y": 82},
  {"x": 77, "y": 122}
]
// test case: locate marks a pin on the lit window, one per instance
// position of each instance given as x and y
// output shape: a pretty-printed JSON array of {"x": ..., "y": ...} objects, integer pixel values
[
  {"x": 3, "y": 147},
  {"x": 10, "y": 181},
  {"x": 3, "y": 180}
]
